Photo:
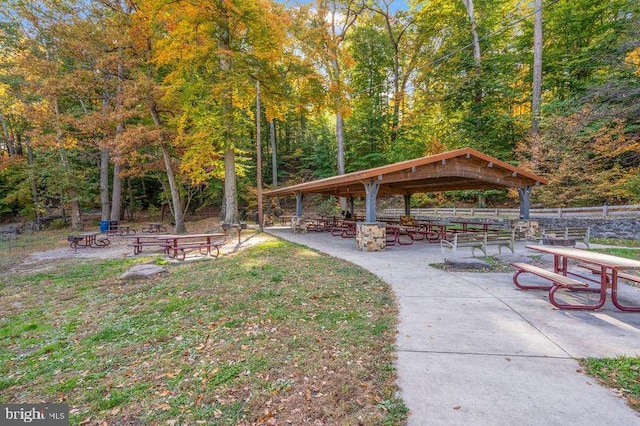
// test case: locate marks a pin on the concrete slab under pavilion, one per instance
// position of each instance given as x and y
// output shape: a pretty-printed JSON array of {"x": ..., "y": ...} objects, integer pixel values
[{"x": 461, "y": 169}]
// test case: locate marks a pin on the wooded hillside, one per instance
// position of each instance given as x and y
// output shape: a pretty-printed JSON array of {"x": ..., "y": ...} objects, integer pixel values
[{"x": 123, "y": 105}]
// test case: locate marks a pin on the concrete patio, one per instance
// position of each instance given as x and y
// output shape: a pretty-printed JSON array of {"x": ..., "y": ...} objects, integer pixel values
[{"x": 474, "y": 350}]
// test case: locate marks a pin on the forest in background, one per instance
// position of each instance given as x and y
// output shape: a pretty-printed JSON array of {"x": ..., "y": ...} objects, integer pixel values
[{"x": 124, "y": 106}]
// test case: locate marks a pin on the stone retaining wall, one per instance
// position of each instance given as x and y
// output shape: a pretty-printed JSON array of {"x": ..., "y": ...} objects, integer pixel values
[{"x": 628, "y": 228}]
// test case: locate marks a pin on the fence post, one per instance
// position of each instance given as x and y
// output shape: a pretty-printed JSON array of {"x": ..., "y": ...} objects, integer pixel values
[
  {"x": 559, "y": 212},
  {"x": 605, "y": 210}
]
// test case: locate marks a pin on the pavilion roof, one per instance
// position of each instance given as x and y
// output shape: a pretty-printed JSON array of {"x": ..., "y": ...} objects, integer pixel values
[{"x": 464, "y": 168}]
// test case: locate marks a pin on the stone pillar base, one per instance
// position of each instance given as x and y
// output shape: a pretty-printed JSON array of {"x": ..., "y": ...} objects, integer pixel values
[
  {"x": 371, "y": 236},
  {"x": 298, "y": 225},
  {"x": 527, "y": 229}
]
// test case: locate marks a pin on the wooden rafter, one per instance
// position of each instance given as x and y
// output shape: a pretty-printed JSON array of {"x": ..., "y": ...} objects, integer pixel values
[{"x": 461, "y": 169}]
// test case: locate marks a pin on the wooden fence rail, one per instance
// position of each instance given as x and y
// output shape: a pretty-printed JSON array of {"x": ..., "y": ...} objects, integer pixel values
[{"x": 632, "y": 210}]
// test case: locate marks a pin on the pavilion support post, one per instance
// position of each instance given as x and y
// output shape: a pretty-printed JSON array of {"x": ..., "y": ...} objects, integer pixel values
[
  {"x": 525, "y": 201},
  {"x": 371, "y": 189},
  {"x": 352, "y": 204},
  {"x": 299, "y": 197},
  {"x": 407, "y": 204}
]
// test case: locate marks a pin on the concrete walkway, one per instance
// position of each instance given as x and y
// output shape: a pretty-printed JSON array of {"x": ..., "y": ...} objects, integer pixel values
[{"x": 474, "y": 350}]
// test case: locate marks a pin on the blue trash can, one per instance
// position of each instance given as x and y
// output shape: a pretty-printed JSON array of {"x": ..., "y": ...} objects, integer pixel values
[{"x": 104, "y": 225}]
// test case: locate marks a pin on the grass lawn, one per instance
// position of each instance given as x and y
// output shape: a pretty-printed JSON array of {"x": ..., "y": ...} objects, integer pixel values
[
  {"x": 275, "y": 333},
  {"x": 630, "y": 253},
  {"x": 622, "y": 374}
]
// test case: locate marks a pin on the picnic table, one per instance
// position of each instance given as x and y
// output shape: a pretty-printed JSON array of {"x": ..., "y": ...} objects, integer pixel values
[
  {"x": 432, "y": 230},
  {"x": 610, "y": 269},
  {"x": 141, "y": 240},
  {"x": 87, "y": 239},
  {"x": 120, "y": 230},
  {"x": 179, "y": 243},
  {"x": 344, "y": 229},
  {"x": 395, "y": 234}
]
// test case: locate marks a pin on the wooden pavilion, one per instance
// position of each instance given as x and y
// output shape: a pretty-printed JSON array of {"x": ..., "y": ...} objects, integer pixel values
[{"x": 460, "y": 169}]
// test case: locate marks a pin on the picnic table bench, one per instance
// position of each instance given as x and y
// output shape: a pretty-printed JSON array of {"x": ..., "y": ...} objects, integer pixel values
[
  {"x": 140, "y": 241},
  {"x": 478, "y": 240},
  {"x": 400, "y": 235},
  {"x": 346, "y": 229},
  {"x": 567, "y": 234},
  {"x": 610, "y": 269},
  {"x": 177, "y": 245},
  {"x": 87, "y": 239},
  {"x": 120, "y": 230}
]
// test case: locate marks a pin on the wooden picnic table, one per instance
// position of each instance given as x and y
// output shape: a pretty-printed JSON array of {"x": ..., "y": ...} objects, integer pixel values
[
  {"x": 181, "y": 242},
  {"x": 121, "y": 230},
  {"x": 609, "y": 267},
  {"x": 87, "y": 239},
  {"x": 395, "y": 234},
  {"x": 433, "y": 231},
  {"x": 142, "y": 240}
]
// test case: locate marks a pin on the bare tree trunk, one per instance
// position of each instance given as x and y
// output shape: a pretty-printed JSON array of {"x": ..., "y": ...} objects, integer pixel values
[
  {"x": 7, "y": 136},
  {"x": 477, "y": 59},
  {"x": 104, "y": 184},
  {"x": 131, "y": 205},
  {"x": 339, "y": 125},
  {"x": 116, "y": 189},
  {"x": 76, "y": 217},
  {"x": 274, "y": 158},
  {"x": 536, "y": 99},
  {"x": 33, "y": 183},
  {"x": 474, "y": 32},
  {"x": 178, "y": 211},
  {"x": 104, "y": 169},
  {"x": 259, "y": 157},
  {"x": 230, "y": 189}
]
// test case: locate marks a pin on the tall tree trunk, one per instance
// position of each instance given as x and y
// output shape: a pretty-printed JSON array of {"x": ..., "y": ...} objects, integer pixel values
[
  {"x": 230, "y": 189},
  {"x": 130, "y": 200},
  {"x": 76, "y": 217},
  {"x": 33, "y": 183},
  {"x": 259, "y": 157},
  {"x": 536, "y": 99},
  {"x": 104, "y": 184},
  {"x": 178, "y": 211},
  {"x": 116, "y": 189},
  {"x": 176, "y": 202},
  {"x": 477, "y": 59},
  {"x": 339, "y": 121},
  {"x": 474, "y": 32},
  {"x": 339, "y": 127},
  {"x": 274, "y": 158},
  {"x": 7, "y": 136},
  {"x": 104, "y": 169}
]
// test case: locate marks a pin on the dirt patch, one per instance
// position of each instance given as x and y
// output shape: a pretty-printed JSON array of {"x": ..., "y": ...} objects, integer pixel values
[{"x": 119, "y": 248}]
